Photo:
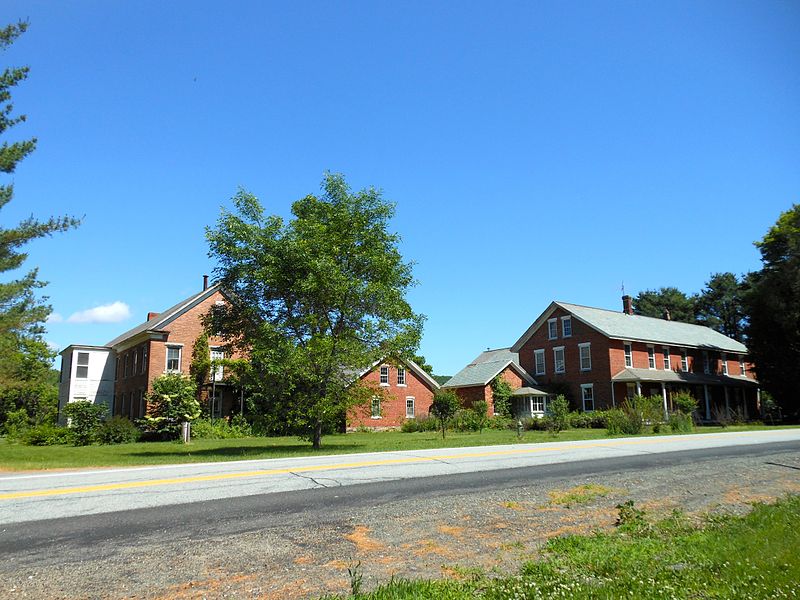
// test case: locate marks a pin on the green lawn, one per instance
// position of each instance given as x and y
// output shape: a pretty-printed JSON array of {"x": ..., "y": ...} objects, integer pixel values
[
  {"x": 729, "y": 557},
  {"x": 16, "y": 457}
]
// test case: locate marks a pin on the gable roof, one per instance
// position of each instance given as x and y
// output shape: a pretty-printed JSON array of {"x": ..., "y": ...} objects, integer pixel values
[
  {"x": 486, "y": 367},
  {"x": 618, "y": 325},
  {"x": 166, "y": 317},
  {"x": 418, "y": 371}
]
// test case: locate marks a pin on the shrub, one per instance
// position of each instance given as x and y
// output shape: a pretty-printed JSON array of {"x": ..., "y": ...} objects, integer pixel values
[
  {"x": 17, "y": 423},
  {"x": 684, "y": 402},
  {"x": 221, "y": 429},
  {"x": 559, "y": 414},
  {"x": 649, "y": 408},
  {"x": 679, "y": 421},
  {"x": 444, "y": 407},
  {"x": 501, "y": 396},
  {"x": 46, "y": 434},
  {"x": 625, "y": 420},
  {"x": 118, "y": 430},
  {"x": 420, "y": 423},
  {"x": 85, "y": 418},
  {"x": 171, "y": 402},
  {"x": 481, "y": 410},
  {"x": 467, "y": 420},
  {"x": 500, "y": 423},
  {"x": 580, "y": 420}
]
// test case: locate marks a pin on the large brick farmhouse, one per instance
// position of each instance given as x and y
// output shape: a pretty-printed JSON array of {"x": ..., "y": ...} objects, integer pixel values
[{"x": 598, "y": 357}]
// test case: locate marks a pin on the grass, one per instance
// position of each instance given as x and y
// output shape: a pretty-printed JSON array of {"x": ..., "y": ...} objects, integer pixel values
[
  {"x": 15, "y": 457},
  {"x": 582, "y": 494},
  {"x": 754, "y": 556}
]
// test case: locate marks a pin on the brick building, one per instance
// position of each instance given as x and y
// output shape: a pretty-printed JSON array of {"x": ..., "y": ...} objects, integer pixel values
[
  {"x": 127, "y": 365},
  {"x": 403, "y": 390}
]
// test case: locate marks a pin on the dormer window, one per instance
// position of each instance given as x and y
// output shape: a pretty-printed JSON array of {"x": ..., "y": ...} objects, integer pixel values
[
  {"x": 566, "y": 326},
  {"x": 552, "y": 329}
]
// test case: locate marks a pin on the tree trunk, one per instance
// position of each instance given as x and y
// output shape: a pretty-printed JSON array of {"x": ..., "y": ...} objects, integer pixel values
[{"x": 317, "y": 441}]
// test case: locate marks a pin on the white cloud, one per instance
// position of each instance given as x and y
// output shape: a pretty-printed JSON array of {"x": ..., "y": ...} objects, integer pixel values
[
  {"x": 55, "y": 318},
  {"x": 107, "y": 313}
]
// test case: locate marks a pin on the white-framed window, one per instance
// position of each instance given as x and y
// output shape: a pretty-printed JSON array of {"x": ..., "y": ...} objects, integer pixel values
[
  {"x": 651, "y": 357},
  {"x": 585, "y": 352},
  {"x": 537, "y": 404},
  {"x": 401, "y": 376},
  {"x": 587, "y": 394},
  {"x": 538, "y": 359},
  {"x": 566, "y": 326},
  {"x": 667, "y": 361},
  {"x": 558, "y": 359},
  {"x": 82, "y": 368},
  {"x": 724, "y": 361},
  {"x": 144, "y": 360},
  {"x": 706, "y": 363},
  {"x": 376, "y": 407},
  {"x": 135, "y": 362},
  {"x": 552, "y": 329},
  {"x": 684, "y": 360},
  {"x": 628, "y": 354},
  {"x": 410, "y": 401},
  {"x": 217, "y": 354},
  {"x": 173, "y": 359},
  {"x": 742, "y": 367},
  {"x": 384, "y": 375}
]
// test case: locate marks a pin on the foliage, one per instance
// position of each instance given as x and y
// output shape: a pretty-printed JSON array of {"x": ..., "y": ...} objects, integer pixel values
[
  {"x": 680, "y": 422},
  {"x": 200, "y": 366},
  {"x": 46, "y": 434},
  {"x": 656, "y": 303},
  {"x": 17, "y": 422},
  {"x": 118, "y": 430},
  {"x": 684, "y": 402},
  {"x": 420, "y": 423},
  {"x": 481, "y": 410},
  {"x": 558, "y": 413},
  {"x": 721, "y": 415},
  {"x": 720, "y": 305},
  {"x": 627, "y": 419},
  {"x": 221, "y": 429},
  {"x": 501, "y": 396},
  {"x": 84, "y": 421},
  {"x": 649, "y": 408},
  {"x": 172, "y": 400},
  {"x": 770, "y": 411},
  {"x": 317, "y": 299},
  {"x": 444, "y": 407},
  {"x": 772, "y": 304},
  {"x": 25, "y": 379},
  {"x": 422, "y": 363}
]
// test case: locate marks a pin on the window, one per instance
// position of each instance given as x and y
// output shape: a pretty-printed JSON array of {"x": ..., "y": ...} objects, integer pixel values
[
  {"x": 558, "y": 359},
  {"x": 141, "y": 403},
  {"x": 706, "y": 363},
  {"x": 566, "y": 326},
  {"x": 587, "y": 393},
  {"x": 135, "y": 361},
  {"x": 537, "y": 404},
  {"x": 667, "y": 363},
  {"x": 376, "y": 408},
  {"x": 217, "y": 403},
  {"x": 82, "y": 370},
  {"x": 116, "y": 369},
  {"x": 651, "y": 357},
  {"x": 538, "y": 357},
  {"x": 409, "y": 407},
  {"x": 552, "y": 329},
  {"x": 628, "y": 354},
  {"x": 742, "y": 369},
  {"x": 724, "y": 360},
  {"x": 144, "y": 359},
  {"x": 173, "y": 358},
  {"x": 684, "y": 360},
  {"x": 401, "y": 376},
  {"x": 127, "y": 368},
  {"x": 585, "y": 351},
  {"x": 219, "y": 371},
  {"x": 384, "y": 375}
]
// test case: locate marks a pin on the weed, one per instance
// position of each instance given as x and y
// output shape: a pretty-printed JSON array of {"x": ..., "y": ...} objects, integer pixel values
[
  {"x": 582, "y": 494},
  {"x": 356, "y": 578}
]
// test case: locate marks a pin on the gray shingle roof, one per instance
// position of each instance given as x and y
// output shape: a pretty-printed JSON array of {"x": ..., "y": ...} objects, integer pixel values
[
  {"x": 165, "y": 317},
  {"x": 485, "y": 367},
  {"x": 657, "y": 376},
  {"x": 619, "y": 325}
]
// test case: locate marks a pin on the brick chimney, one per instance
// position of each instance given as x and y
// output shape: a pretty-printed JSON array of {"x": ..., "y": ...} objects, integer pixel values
[
  {"x": 627, "y": 305},
  {"x": 205, "y": 282},
  {"x": 152, "y": 315}
]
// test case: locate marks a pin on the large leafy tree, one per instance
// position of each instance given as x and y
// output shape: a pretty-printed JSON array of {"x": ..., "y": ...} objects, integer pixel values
[
  {"x": 720, "y": 305},
  {"x": 24, "y": 367},
  {"x": 772, "y": 304},
  {"x": 656, "y": 303},
  {"x": 316, "y": 299}
]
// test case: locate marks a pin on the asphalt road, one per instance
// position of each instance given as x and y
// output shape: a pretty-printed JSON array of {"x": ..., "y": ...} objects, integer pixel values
[{"x": 34, "y": 497}]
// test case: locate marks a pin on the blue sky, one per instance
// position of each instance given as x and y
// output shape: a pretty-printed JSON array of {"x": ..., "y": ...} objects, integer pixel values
[{"x": 535, "y": 150}]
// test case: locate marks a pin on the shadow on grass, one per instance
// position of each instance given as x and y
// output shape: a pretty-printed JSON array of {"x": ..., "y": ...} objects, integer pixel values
[{"x": 277, "y": 451}]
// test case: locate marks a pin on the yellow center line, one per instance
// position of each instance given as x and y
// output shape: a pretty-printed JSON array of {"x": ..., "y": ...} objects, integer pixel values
[{"x": 369, "y": 463}]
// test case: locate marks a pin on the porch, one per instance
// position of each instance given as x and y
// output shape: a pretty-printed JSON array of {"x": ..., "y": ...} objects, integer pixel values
[{"x": 529, "y": 402}]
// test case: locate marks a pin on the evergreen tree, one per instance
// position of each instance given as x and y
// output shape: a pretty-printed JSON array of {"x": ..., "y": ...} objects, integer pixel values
[
  {"x": 657, "y": 303},
  {"x": 719, "y": 305}
]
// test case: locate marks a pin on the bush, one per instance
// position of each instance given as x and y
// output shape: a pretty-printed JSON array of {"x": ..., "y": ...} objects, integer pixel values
[
  {"x": 684, "y": 402},
  {"x": 500, "y": 423},
  {"x": 46, "y": 434},
  {"x": 171, "y": 402},
  {"x": 221, "y": 429},
  {"x": 118, "y": 430},
  {"x": 17, "y": 423},
  {"x": 679, "y": 421},
  {"x": 85, "y": 418},
  {"x": 444, "y": 407},
  {"x": 467, "y": 420},
  {"x": 501, "y": 396},
  {"x": 624, "y": 420},
  {"x": 420, "y": 423},
  {"x": 579, "y": 420},
  {"x": 559, "y": 414}
]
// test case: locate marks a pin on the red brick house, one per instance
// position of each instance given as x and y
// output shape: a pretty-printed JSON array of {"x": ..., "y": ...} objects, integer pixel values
[
  {"x": 473, "y": 382},
  {"x": 403, "y": 390},
  {"x": 599, "y": 357},
  {"x": 128, "y": 364}
]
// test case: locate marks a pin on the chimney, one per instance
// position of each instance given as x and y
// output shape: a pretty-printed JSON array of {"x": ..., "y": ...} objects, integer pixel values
[
  {"x": 627, "y": 305},
  {"x": 205, "y": 282},
  {"x": 666, "y": 314},
  {"x": 152, "y": 315}
]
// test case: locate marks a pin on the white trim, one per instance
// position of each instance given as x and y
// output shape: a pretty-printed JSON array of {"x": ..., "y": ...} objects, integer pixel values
[
  {"x": 540, "y": 352},
  {"x": 380, "y": 376},
  {"x": 563, "y": 360},
  {"x": 684, "y": 360},
  {"x": 628, "y": 355},
  {"x": 587, "y": 345},
  {"x": 723, "y": 357},
  {"x": 666, "y": 358},
  {"x": 551, "y": 325},
  {"x": 413, "y": 414},
  {"x": 584, "y": 387},
  {"x": 401, "y": 370},
  {"x": 651, "y": 357},
  {"x": 179, "y": 348},
  {"x": 563, "y": 320},
  {"x": 375, "y": 399},
  {"x": 742, "y": 367}
]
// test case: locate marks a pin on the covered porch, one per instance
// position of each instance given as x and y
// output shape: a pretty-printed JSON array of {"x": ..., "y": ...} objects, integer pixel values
[
  {"x": 716, "y": 395},
  {"x": 530, "y": 402}
]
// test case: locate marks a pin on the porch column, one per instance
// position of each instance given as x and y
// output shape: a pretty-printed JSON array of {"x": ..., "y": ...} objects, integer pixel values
[
  {"x": 664, "y": 394},
  {"x": 613, "y": 399},
  {"x": 708, "y": 402},
  {"x": 743, "y": 395},
  {"x": 727, "y": 403},
  {"x": 530, "y": 405},
  {"x": 638, "y": 388},
  {"x": 758, "y": 402}
]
